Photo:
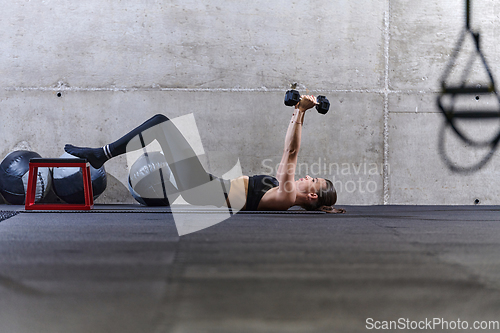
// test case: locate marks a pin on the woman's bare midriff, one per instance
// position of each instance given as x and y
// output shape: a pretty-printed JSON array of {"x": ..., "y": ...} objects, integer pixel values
[{"x": 237, "y": 196}]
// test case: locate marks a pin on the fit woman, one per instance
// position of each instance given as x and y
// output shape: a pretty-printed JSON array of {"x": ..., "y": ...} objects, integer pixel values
[{"x": 254, "y": 193}]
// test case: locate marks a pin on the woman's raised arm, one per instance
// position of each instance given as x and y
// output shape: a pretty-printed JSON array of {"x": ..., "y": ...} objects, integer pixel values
[{"x": 288, "y": 164}]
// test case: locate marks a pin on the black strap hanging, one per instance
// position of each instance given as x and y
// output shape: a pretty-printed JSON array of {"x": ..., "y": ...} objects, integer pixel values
[{"x": 451, "y": 112}]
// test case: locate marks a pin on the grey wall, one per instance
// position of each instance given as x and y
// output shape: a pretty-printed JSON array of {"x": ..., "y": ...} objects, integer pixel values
[{"x": 116, "y": 63}]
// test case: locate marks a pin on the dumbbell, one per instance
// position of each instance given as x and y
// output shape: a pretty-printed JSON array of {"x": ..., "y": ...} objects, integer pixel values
[{"x": 292, "y": 97}]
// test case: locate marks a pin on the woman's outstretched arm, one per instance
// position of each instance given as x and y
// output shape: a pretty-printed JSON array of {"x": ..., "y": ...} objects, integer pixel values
[{"x": 288, "y": 164}]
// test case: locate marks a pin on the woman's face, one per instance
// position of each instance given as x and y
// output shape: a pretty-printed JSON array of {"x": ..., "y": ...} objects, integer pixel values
[{"x": 310, "y": 185}]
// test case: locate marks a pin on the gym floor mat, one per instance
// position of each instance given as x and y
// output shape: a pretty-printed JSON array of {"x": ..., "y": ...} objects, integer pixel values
[
  {"x": 184, "y": 209},
  {"x": 275, "y": 273}
]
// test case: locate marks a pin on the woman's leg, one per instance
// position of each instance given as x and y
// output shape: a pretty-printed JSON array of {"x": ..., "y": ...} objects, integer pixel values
[
  {"x": 98, "y": 156},
  {"x": 185, "y": 165}
]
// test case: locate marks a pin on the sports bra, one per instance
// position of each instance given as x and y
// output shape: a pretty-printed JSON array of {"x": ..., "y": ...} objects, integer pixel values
[{"x": 258, "y": 186}]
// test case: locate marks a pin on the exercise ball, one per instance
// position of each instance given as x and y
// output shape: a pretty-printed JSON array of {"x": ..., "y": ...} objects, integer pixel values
[
  {"x": 150, "y": 180},
  {"x": 68, "y": 182},
  {"x": 14, "y": 177}
]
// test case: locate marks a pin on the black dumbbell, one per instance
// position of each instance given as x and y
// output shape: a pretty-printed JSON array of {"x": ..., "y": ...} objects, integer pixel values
[{"x": 292, "y": 97}]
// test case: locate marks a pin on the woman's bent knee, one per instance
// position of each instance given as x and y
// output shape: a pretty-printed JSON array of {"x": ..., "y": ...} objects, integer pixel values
[{"x": 158, "y": 118}]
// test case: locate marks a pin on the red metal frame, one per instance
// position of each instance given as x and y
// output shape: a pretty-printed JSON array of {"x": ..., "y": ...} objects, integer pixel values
[{"x": 32, "y": 178}]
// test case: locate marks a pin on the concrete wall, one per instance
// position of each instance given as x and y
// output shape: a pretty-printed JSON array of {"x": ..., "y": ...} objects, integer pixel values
[{"x": 116, "y": 63}]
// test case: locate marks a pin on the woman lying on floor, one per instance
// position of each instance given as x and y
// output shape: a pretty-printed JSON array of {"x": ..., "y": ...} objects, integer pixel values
[{"x": 196, "y": 186}]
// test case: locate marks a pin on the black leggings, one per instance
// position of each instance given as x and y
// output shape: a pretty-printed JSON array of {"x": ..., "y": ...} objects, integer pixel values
[{"x": 195, "y": 185}]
